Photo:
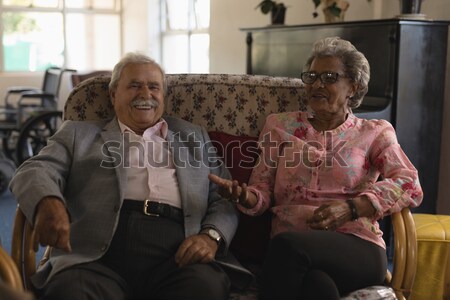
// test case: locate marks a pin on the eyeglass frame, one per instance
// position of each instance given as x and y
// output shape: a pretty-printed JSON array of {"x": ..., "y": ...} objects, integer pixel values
[{"x": 319, "y": 76}]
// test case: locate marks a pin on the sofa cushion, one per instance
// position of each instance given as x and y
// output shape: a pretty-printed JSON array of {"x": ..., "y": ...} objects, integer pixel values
[{"x": 238, "y": 153}]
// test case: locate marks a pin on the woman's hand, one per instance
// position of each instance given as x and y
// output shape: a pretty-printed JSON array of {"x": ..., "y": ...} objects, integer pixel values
[
  {"x": 233, "y": 191},
  {"x": 332, "y": 215}
]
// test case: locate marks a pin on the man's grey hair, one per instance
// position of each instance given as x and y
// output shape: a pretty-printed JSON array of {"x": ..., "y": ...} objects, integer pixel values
[
  {"x": 133, "y": 58},
  {"x": 355, "y": 64}
]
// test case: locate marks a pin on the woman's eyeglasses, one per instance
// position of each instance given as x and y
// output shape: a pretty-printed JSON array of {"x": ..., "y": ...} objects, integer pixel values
[{"x": 325, "y": 77}]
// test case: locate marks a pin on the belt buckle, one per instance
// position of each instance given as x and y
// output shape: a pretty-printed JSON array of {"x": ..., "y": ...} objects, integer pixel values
[{"x": 146, "y": 205}]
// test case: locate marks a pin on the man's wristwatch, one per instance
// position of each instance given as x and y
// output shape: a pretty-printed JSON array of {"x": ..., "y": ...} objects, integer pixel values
[{"x": 212, "y": 234}]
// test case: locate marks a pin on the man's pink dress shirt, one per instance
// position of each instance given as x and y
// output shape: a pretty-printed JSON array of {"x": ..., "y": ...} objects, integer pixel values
[{"x": 151, "y": 173}]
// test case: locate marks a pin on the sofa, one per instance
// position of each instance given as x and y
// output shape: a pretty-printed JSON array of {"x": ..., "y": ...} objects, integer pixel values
[{"x": 233, "y": 109}]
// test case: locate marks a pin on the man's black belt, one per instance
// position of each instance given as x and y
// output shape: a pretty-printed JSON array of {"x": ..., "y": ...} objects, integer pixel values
[{"x": 154, "y": 209}]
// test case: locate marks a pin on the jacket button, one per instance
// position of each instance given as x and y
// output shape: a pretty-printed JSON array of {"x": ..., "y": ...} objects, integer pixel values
[
  {"x": 104, "y": 247},
  {"x": 116, "y": 208}
]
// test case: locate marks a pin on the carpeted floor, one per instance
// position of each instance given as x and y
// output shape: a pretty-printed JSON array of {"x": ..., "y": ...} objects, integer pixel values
[{"x": 7, "y": 210}]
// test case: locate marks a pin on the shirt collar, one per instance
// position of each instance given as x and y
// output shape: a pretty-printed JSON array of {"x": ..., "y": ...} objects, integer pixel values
[{"x": 159, "y": 129}]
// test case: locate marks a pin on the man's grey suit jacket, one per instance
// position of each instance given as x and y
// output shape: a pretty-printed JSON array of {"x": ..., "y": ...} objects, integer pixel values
[{"x": 83, "y": 165}]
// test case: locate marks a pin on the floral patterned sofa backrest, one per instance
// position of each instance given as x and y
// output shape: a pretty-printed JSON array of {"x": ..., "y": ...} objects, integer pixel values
[{"x": 235, "y": 104}]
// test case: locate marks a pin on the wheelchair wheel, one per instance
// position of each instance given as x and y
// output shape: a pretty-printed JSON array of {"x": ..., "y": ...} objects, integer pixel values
[
  {"x": 9, "y": 142},
  {"x": 34, "y": 134}
]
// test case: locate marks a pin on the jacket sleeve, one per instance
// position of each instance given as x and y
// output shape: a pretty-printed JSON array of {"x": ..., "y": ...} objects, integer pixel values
[{"x": 44, "y": 174}]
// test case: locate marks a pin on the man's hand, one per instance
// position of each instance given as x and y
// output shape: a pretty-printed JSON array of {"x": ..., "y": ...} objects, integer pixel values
[
  {"x": 51, "y": 225},
  {"x": 196, "y": 249}
]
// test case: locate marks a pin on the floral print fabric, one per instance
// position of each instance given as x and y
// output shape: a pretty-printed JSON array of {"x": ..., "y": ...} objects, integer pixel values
[
  {"x": 300, "y": 169},
  {"x": 231, "y": 103}
]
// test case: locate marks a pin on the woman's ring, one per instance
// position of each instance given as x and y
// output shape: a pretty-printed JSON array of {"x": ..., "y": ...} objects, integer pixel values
[
  {"x": 234, "y": 200},
  {"x": 326, "y": 227}
]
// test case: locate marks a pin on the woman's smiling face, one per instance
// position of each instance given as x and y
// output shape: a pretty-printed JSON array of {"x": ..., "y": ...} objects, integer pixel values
[{"x": 329, "y": 98}]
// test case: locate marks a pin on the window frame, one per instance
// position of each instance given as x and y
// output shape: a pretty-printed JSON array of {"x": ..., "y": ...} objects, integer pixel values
[
  {"x": 64, "y": 11},
  {"x": 165, "y": 31}
]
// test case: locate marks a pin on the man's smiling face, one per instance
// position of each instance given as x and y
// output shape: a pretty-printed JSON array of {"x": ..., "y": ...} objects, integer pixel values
[{"x": 138, "y": 99}]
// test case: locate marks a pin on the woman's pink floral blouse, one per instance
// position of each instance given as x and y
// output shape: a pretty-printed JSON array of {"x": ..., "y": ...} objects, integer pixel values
[{"x": 300, "y": 169}]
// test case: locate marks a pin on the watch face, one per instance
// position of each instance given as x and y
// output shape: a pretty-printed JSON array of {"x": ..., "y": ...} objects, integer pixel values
[{"x": 214, "y": 234}]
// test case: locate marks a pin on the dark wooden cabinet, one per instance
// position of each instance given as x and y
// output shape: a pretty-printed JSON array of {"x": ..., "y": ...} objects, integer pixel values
[{"x": 408, "y": 62}]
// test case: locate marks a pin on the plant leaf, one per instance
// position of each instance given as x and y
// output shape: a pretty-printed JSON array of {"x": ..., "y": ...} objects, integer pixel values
[
  {"x": 316, "y": 3},
  {"x": 266, "y": 6},
  {"x": 334, "y": 10}
]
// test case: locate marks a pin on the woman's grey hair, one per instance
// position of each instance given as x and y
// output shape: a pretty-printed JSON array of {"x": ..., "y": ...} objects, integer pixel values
[
  {"x": 355, "y": 64},
  {"x": 133, "y": 58}
]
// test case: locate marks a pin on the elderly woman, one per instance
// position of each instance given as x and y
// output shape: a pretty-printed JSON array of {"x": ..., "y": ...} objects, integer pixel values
[{"x": 327, "y": 177}]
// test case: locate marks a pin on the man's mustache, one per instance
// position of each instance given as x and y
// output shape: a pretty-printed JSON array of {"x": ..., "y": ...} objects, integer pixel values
[{"x": 147, "y": 103}]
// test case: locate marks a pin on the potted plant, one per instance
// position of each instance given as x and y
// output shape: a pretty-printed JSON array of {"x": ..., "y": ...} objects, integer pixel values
[
  {"x": 333, "y": 10},
  {"x": 277, "y": 9}
]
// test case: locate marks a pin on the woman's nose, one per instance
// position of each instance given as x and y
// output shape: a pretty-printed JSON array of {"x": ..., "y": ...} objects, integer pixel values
[{"x": 317, "y": 84}]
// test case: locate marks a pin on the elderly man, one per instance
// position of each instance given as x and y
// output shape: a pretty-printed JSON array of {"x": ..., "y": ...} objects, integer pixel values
[{"x": 127, "y": 204}]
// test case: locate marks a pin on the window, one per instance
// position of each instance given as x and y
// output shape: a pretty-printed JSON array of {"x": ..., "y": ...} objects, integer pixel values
[
  {"x": 81, "y": 34},
  {"x": 185, "y": 36}
]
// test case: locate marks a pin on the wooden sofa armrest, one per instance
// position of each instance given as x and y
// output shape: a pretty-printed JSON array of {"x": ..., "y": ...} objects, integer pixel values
[
  {"x": 8, "y": 271},
  {"x": 22, "y": 251},
  {"x": 405, "y": 253}
]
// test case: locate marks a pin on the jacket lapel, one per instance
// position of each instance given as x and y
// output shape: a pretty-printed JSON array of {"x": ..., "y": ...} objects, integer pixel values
[
  {"x": 112, "y": 137},
  {"x": 182, "y": 170}
]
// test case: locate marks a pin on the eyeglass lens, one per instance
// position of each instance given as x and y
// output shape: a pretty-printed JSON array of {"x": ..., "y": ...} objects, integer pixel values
[{"x": 325, "y": 77}]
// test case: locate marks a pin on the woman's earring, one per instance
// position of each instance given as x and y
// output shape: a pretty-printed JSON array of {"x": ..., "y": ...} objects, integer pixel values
[{"x": 310, "y": 112}]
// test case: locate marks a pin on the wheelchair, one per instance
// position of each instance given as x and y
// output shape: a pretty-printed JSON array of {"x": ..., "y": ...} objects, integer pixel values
[{"x": 27, "y": 123}]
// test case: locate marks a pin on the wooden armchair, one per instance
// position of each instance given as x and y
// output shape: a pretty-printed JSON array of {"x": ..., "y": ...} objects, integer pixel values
[
  {"x": 8, "y": 271},
  {"x": 232, "y": 108},
  {"x": 11, "y": 287}
]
